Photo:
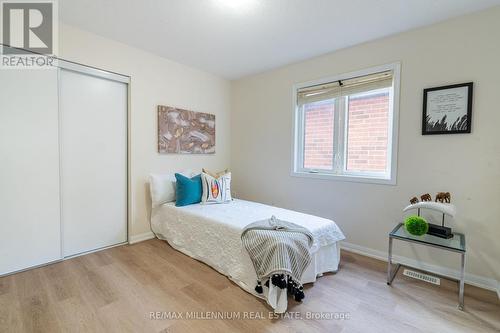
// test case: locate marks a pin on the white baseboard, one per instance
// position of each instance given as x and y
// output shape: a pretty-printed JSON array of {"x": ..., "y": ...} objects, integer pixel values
[
  {"x": 474, "y": 280},
  {"x": 141, "y": 237}
]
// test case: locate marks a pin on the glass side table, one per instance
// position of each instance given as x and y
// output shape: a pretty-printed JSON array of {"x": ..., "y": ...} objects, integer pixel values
[{"x": 454, "y": 244}]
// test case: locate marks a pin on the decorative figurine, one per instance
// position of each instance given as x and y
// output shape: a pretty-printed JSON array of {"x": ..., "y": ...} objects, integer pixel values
[
  {"x": 443, "y": 197},
  {"x": 414, "y": 200},
  {"x": 426, "y": 197},
  {"x": 445, "y": 208}
]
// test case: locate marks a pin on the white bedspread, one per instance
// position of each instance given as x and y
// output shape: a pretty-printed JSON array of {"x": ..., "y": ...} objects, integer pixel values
[{"x": 211, "y": 234}]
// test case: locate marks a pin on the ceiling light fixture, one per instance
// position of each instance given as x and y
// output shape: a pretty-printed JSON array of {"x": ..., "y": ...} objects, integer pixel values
[{"x": 236, "y": 5}]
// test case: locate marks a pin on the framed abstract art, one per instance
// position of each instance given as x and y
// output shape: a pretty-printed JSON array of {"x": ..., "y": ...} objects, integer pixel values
[{"x": 185, "y": 132}]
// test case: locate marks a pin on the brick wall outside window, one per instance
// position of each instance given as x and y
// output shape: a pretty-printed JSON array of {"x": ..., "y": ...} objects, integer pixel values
[
  {"x": 367, "y": 133},
  {"x": 318, "y": 135}
]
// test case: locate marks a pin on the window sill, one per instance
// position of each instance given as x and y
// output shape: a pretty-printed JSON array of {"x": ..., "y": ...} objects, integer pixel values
[{"x": 346, "y": 178}]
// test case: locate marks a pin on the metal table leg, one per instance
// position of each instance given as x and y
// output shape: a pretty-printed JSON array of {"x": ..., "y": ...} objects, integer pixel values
[
  {"x": 389, "y": 259},
  {"x": 461, "y": 289},
  {"x": 390, "y": 273}
]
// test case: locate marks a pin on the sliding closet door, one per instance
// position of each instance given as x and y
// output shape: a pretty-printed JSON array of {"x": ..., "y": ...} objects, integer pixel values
[
  {"x": 29, "y": 169},
  {"x": 93, "y": 117}
]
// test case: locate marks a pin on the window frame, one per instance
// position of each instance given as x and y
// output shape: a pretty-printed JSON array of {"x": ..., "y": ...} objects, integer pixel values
[{"x": 340, "y": 146}]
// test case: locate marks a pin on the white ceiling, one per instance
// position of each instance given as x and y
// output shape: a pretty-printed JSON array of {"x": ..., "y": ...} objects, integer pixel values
[{"x": 235, "y": 38}]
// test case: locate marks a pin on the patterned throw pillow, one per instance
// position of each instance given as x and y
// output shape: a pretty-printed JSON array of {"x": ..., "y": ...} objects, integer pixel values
[
  {"x": 215, "y": 174},
  {"x": 216, "y": 190}
]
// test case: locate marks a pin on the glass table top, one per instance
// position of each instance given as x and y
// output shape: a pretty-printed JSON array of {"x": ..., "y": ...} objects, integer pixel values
[{"x": 456, "y": 243}]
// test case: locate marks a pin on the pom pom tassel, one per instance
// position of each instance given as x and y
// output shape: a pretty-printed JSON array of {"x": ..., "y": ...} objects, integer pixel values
[
  {"x": 258, "y": 288},
  {"x": 279, "y": 281},
  {"x": 299, "y": 296}
]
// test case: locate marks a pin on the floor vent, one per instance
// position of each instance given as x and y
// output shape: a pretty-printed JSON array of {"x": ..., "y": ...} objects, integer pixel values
[{"x": 422, "y": 276}]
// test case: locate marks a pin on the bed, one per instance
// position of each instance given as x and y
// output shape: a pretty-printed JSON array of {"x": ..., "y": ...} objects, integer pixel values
[{"x": 211, "y": 234}]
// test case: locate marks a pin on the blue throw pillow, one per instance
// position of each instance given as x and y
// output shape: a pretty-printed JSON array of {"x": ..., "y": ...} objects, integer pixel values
[{"x": 188, "y": 190}]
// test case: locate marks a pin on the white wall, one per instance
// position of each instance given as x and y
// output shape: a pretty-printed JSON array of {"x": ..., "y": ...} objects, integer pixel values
[
  {"x": 154, "y": 80},
  {"x": 467, "y": 165}
]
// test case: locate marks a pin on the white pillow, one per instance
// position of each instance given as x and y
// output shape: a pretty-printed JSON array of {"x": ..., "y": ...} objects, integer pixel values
[
  {"x": 162, "y": 186},
  {"x": 216, "y": 190}
]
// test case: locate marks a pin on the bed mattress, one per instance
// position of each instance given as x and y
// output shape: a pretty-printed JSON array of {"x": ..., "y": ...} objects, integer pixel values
[{"x": 211, "y": 233}]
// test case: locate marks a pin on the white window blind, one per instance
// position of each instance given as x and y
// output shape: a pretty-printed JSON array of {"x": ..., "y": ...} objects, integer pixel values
[{"x": 344, "y": 87}]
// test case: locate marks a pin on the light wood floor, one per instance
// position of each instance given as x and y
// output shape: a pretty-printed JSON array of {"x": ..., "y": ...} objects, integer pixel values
[{"x": 116, "y": 290}]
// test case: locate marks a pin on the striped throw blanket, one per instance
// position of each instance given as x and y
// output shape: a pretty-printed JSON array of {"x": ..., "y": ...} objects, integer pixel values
[{"x": 280, "y": 253}]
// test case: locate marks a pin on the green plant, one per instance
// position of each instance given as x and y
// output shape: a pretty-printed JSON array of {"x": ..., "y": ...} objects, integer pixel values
[{"x": 416, "y": 225}]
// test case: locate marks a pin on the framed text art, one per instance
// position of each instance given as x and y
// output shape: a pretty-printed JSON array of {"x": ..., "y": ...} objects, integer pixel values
[{"x": 447, "y": 109}]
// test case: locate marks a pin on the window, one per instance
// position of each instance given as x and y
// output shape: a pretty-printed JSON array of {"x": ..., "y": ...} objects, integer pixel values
[{"x": 345, "y": 126}]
